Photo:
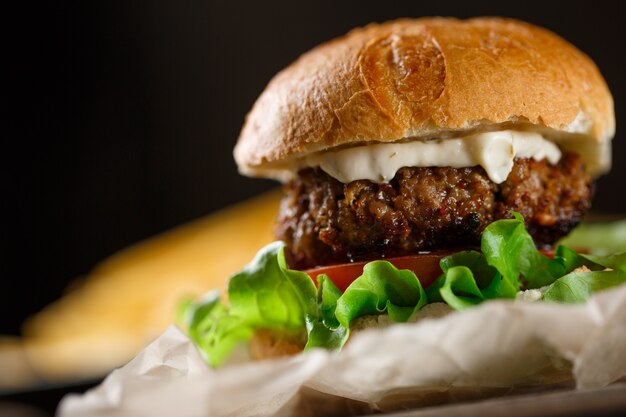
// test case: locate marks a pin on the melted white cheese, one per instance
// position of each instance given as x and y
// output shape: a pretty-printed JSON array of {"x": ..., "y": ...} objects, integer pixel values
[{"x": 494, "y": 151}]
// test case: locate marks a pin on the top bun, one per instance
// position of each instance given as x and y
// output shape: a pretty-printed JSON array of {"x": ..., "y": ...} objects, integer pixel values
[{"x": 424, "y": 78}]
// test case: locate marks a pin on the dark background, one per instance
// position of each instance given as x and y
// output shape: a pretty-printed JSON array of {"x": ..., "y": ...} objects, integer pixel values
[{"x": 118, "y": 118}]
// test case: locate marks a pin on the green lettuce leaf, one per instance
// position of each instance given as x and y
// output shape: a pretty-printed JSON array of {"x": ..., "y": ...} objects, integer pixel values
[
  {"x": 616, "y": 261},
  {"x": 510, "y": 249},
  {"x": 324, "y": 329},
  {"x": 268, "y": 295},
  {"x": 459, "y": 288},
  {"x": 213, "y": 329},
  {"x": 475, "y": 261},
  {"x": 508, "y": 262},
  {"x": 577, "y": 287},
  {"x": 381, "y": 289},
  {"x": 264, "y": 295},
  {"x": 573, "y": 260},
  {"x": 598, "y": 238},
  {"x": 468, "y": 280}
]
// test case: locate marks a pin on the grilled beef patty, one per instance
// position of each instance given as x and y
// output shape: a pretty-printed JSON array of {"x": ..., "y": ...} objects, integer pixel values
[{"x": 324, "y": 221}]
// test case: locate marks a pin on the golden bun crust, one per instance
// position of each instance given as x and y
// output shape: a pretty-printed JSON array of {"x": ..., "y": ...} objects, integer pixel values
[{"x": 422, "y": 78}]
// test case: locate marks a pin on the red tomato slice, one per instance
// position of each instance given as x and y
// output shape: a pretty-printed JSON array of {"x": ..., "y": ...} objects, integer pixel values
[{"x": 425, "y": 266}]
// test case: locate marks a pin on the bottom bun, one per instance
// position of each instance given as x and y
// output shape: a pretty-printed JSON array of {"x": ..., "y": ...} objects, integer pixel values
[{"x": 269, "y": 344}]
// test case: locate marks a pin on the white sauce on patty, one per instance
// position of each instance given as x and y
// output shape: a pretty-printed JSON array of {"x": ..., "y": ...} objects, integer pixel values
[{"x": 494, "y": 151}]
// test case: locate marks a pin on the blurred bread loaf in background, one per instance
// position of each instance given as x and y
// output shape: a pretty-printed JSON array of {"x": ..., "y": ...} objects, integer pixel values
[{"x": 131, "y": 297}]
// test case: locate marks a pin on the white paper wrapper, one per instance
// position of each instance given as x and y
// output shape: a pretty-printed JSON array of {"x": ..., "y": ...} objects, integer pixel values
[{"x": 481, "y": 351}]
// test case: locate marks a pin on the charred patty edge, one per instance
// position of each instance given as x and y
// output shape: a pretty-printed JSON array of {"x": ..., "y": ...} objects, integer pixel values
[{"x": 324, "y": 221}]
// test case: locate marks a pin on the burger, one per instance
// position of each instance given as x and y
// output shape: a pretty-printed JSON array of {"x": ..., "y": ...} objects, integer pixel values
[{"x": 428, "y": 165}]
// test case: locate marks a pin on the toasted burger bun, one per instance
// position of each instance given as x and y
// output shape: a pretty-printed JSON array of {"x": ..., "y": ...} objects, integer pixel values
[{"x": 424, "y": 78}]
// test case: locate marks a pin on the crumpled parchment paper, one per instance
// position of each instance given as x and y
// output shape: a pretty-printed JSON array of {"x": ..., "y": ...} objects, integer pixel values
[{"x": 486, "y": 350}]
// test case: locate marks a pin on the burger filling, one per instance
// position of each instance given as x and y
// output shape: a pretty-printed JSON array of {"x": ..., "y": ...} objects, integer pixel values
[{"x": 324, "y": 221}]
